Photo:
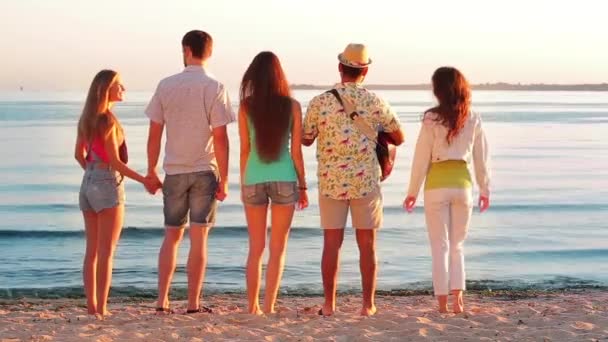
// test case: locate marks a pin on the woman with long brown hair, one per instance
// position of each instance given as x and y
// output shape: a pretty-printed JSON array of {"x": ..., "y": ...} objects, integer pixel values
[
  {"x": 450, "y": 135},
  {"x": 101, "y": 151},
  {"x": 270, "y": 121}
]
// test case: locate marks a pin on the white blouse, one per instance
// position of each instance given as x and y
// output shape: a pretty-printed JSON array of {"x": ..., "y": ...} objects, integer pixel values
[{"x": 432, "y": 147}]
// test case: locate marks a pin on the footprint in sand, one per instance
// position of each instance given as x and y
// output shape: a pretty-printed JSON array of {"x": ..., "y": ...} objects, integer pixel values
[
  {"x": 583, "y": 325},
  {"x": 424, "y": 320}
]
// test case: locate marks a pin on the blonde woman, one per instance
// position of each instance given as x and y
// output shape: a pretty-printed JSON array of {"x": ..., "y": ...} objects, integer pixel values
[
  {"x": 101, "y": 151},
  {"x": 450, "y": 135}
]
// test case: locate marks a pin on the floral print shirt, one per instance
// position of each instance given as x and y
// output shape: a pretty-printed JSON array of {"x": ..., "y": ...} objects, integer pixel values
[{"x": 347, "y": 164}]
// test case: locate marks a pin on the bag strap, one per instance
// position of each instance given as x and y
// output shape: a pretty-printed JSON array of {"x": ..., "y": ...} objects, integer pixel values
[{"x": 362, "y": 126}]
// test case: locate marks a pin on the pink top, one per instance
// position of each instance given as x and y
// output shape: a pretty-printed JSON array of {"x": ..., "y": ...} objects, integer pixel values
[{"x": 99, "y": 149}]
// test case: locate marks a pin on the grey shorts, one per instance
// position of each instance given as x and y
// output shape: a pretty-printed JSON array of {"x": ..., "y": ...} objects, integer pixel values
[
  {"x": 365, "y": 212},
  {"x": 281, "y": 193},
  {"x": 101, "y": 189},
  {"x": 190, "y": 193}
]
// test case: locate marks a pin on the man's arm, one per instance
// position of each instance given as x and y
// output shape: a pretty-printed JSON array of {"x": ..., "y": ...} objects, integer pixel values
[
  {"x": 308, "y": 141},
  {"x": 309, "y": 125},
  {"x": 389, "y": 121},
  {"x": 397, "y": 136},
  {"x": 221, "y": 146},
  {"x": 155, "y": 133}
]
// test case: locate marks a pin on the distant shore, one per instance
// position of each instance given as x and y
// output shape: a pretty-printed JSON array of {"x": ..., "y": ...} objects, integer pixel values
[{"x": 483, "y": 86}]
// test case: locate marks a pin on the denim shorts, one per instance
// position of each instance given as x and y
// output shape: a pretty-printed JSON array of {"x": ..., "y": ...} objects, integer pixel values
[
  {"x": 282, "y": 193},
  {"x": 101, "y": 189},
  {"x": 190, "y": 194}
]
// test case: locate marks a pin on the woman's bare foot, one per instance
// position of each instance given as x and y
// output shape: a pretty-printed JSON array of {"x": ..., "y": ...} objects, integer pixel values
[
  {"x": 326, "y": 310},
  {"x": 443, "y": 303},
  {"x": 268, "y": 311},
  {"x": 105, "y": 313},
  {"x": 458, "y": 303},
  {"x": 255, "y": 311},
  {"x": 368, "y": 311}
]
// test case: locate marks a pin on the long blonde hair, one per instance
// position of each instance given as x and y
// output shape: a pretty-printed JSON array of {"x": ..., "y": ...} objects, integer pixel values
[{"x": 96, "y": 116}]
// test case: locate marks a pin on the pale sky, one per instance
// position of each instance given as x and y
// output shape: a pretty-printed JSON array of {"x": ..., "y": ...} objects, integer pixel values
[{"x": 61, "y": 44}]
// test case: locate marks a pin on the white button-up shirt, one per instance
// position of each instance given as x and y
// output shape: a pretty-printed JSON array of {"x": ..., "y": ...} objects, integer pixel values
[{"x": 190, "y": 104}]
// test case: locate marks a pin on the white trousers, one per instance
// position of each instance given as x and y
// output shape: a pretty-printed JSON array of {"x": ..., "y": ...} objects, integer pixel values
[{"x": 448, "y": 213}]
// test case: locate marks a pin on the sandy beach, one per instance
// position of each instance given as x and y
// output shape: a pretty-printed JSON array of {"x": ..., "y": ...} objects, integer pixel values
[{"x": 580, "y": 316}]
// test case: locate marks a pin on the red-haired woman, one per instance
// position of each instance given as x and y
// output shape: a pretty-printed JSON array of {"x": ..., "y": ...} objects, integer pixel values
[
  {"x": 270, "y": 120},
  {"x": 450, "y": 135}
]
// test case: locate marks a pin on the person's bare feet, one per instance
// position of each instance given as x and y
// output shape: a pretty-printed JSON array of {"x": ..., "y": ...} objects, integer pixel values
[
  {"x": 255, "y": 311},
  {"x": 104, "y": 314},
  {"x": 369, "y": 311},
  {"x": 443, "y": 303},
  {"x": 458, "y": 303},
  {"x": 269, "y": 310},
  {"x": 326, "y": 310}
]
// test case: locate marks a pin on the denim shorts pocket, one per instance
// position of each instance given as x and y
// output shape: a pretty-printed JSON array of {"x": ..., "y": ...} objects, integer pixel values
[
  {"x": 286, "y": 189},
  {"x": 249, "y": 191},
  {"x": 106, "y": 178}
]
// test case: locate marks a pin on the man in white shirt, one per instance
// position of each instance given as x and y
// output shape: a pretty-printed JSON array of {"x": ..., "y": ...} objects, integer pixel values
[{"x": 195, "y": 109}]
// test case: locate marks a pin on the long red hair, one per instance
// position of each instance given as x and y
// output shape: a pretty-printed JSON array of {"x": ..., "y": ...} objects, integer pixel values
[
  {"x": 267, "y": 99},
  {"x": 453, "y": 93}
]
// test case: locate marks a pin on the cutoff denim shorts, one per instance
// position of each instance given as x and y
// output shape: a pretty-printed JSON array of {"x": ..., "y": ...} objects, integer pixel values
[
  {"x": 190, "y": 195},
  {"x": 281, "y": 193},
  {"x": 101, "y": 189}
]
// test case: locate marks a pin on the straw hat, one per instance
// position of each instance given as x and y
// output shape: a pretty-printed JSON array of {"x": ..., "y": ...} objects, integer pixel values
[{"x": 355, "y": 56}]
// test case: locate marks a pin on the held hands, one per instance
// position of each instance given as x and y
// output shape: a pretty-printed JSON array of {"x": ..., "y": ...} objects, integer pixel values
[
  {"x": 222, "y": 191},
  {"x": 152, "y": 183}
]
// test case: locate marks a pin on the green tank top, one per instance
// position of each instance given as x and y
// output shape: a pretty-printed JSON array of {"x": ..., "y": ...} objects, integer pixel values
[
  {"x": 258, "y": 171},
  {"x": 448, "y": 174}
]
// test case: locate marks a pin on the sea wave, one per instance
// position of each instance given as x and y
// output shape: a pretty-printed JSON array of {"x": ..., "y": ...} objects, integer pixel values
[{"x": 507, "y": 288}]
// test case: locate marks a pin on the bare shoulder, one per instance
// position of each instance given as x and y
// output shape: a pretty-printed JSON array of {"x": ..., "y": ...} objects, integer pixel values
[
  {"x": 108, "y": 123},
  {"x": 430, "y": 116},
  {"x": 295, "y": 104}
]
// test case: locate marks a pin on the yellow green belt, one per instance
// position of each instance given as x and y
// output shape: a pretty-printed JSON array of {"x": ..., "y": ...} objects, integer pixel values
[{"x": 448, "y": 174}]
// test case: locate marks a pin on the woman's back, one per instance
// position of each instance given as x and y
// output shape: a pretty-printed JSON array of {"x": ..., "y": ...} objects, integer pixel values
[
  {"x": 280, "y": 169},
  {"x": 461, "y": 145}
]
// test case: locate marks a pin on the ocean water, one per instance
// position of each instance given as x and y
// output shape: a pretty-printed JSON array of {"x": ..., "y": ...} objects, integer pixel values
[{"x": 547, "y": 226}]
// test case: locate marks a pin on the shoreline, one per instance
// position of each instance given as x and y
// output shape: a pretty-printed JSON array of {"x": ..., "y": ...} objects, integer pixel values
[
  {"x": 581, "y": 315},
  {"x": 510, "y": 295},
  {"x": 480, "y": 288}
]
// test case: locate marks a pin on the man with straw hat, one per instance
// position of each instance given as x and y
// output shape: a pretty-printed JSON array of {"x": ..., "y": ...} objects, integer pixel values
[{"x": 348, "y": 170}]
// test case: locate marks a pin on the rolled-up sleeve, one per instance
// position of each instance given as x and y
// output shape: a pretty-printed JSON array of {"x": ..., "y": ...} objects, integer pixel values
[
  {"x": 154, "y": 110},
  {"x": 388, "y": 118},
  {"x": 481, "y": 160},
  {"x": 422, "y": 157},
  {"x": 310, "y": 126},
  {"x": 220, "y": 112}
]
